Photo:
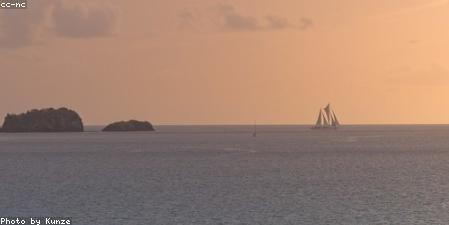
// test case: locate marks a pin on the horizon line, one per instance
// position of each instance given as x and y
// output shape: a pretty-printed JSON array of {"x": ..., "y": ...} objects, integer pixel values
[{"x": 287, "y": 124}]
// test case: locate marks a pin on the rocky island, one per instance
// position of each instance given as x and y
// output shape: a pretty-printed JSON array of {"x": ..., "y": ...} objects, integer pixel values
[
  {"x": 132, "y": 125},
  {"x": 44, "y": 120}
]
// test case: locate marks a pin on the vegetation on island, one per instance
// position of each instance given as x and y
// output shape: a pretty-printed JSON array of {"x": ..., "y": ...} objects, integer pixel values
[
  {"x": 132, "y": 125},
  {"x": 44, "y": 120}
]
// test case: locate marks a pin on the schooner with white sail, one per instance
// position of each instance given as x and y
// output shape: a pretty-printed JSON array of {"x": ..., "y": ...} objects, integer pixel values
[{"x": 326, "y": 119}]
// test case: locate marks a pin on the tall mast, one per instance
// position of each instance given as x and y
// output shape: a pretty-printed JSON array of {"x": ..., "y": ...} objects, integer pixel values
[{"x": 255, "y": 129}]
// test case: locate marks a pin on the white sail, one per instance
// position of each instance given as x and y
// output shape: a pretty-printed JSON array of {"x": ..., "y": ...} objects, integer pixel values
[
  {"x": 335, "y": 120},
  {"x": 319, "y": 121},
  {"x": 325, "y": 121},
  {"x": 327, "y": 118}
]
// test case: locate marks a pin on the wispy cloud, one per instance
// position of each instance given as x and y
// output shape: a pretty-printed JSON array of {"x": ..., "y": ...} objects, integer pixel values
[
  {"x": 187, "y": 19},
  {"x": 229, "y": 18},
  {"x": 45, "y": 19},
  {"x": 277, "y": 22},
  {"x": 19, "y": 28},
  {"x": 84, "y": 21},
  {"x": 306, "y": 23}
]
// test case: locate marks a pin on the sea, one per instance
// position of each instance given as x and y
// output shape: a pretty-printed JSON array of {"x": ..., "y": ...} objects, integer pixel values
[{"x": 223, "y": 175}]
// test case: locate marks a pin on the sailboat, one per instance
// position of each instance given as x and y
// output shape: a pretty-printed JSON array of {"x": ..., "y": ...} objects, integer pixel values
[
  {"x": 327, "y": 119},
  {"x": 255, "y": 130}
]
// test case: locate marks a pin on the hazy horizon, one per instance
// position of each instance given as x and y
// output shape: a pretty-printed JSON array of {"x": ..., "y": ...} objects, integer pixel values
[
  {"x": 284, "y": 124},
  {"x": 228, "y": 61}
]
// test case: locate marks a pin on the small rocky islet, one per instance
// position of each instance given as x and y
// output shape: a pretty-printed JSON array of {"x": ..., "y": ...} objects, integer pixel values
[
  {"x": 61, "y": 120},
  {"x": 131, "y": 125}
]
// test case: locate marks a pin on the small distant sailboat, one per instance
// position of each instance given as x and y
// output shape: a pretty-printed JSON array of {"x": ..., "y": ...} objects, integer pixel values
[
  {"x": 255, "y": 130},
  {"x": 327, "y": 119}
]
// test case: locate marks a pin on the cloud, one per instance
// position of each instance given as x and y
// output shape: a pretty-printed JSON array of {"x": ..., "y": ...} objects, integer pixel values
[
  {"x": 228, "y": 18},
  {"x": 84, "y": 21},
  {"x": 187, "y": 19},
  {"x": 45, "y": 19},
  {"x": 276, "y": 22},
  {"x": 306, "y": 23},
  {"x": 232, "y": 20},
  {"x": 19, "y": 28}
]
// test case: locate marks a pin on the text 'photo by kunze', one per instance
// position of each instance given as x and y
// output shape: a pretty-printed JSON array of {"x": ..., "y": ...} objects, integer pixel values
[{"x": 224, "y": 112}]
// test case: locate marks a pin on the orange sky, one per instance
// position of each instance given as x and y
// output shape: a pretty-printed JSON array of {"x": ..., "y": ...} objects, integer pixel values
[{"x": 228, "y": 62}]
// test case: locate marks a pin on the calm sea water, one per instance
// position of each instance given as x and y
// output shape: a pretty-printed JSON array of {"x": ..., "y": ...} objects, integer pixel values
[{"x": 222, "y": 175}]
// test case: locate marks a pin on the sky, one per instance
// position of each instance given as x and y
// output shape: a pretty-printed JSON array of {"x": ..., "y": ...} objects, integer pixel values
[{"x": 228, "y": 61}]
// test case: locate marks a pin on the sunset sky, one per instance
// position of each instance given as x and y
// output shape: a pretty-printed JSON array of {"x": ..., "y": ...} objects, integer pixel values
[{"x": 228, "y": 62}]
